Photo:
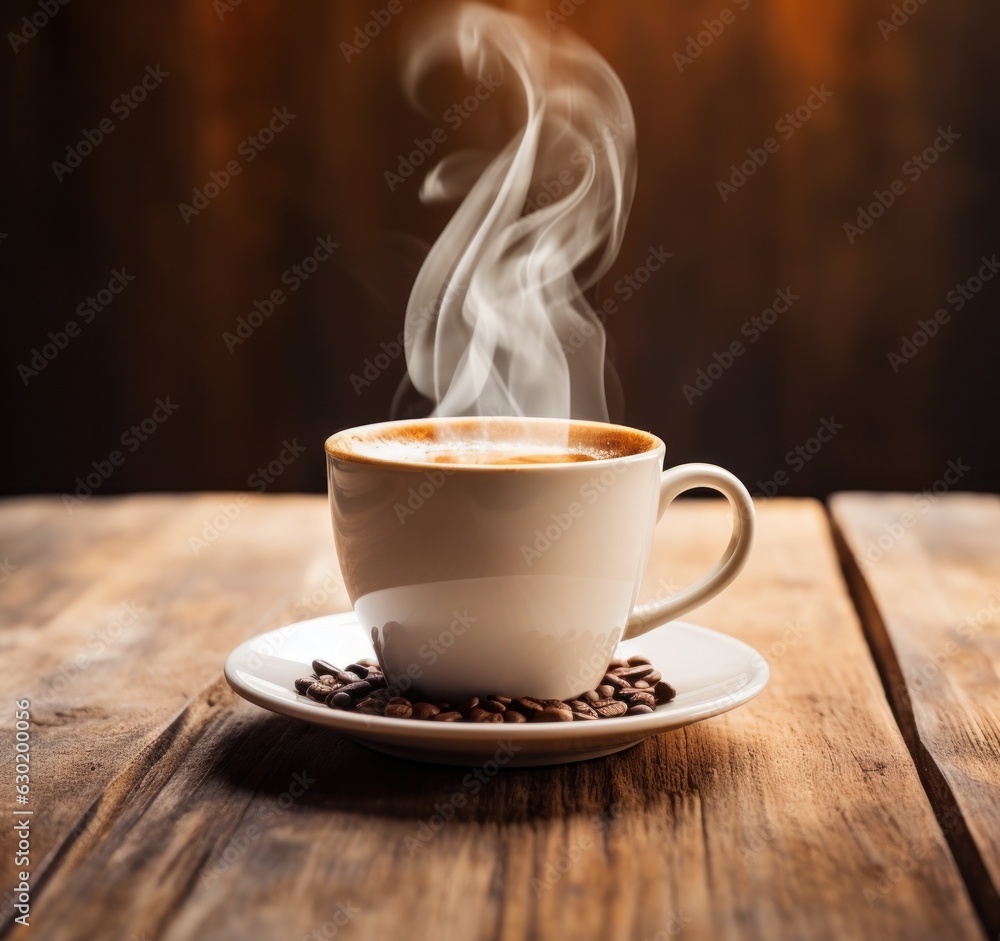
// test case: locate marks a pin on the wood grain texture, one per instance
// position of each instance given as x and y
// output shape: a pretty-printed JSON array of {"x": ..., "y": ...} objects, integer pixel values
[
  {"x": 111, "y": 624},
  {"x": 926, "y": 572},
  {"x": 798, "y": 816}
]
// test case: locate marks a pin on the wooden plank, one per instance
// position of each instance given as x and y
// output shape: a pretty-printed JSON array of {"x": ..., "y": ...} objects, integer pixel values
[
  {"x": 926, "y": 572},
  {"x": 797, "y": 816},
  {"x": 114, "y": 619}
]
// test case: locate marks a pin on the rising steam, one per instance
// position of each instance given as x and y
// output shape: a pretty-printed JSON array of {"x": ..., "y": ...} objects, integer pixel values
[{"x": 497, "y": 323}]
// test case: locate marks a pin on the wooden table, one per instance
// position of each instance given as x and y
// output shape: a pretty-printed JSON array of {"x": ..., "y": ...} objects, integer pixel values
[{"x": 858, "y": 797}]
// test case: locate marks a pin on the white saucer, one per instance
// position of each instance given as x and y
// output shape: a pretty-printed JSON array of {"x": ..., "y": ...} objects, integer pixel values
[{"x": 711, "y": 672}]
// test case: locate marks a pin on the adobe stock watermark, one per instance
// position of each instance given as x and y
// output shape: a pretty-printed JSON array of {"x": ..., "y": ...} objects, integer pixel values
[
  {"x": 331, "y": 586},
  {"x": 785, "y": 128},
  {"x": 900, "y": 16},
  {"x": 714, "y": 28},
  {"x": 920, "y": 503},
  {"x": 676, "y": 922},
  {"x": 561, "y": 522},
  {"x": 794, "y": 632},
  {"x": 122, "y": 618},
  {"x": 429, "y": 652},
  {"x": 122, "y": 107},
  {"x": 224, "y": 7},
  {"x": 625, "y": 287},
  {"x": 766, "y": 835},
  {"x": 86, "y": 310},
  {"x": 250, "y": 148},
  {"x": 921, "y": 678},
  {"x": 418, "y": 495},
  {"x": 903, "y": 866},
  {"x": 472, "y": 784},
  {"x": 230, "y": 511},
  {"x": 268, "y": 646},
  {"x": 255, "y": 825},
  {"x": 346, "y": 912},
  {"x": 797, "y": 458},
  {"x": 580, "y": 159},
  {"x": 957, "y": 298},
  {"x": 912, "y": 169},
  {"x": 374, "y": 366},
  {"x": 371, "y": 29},
  {"x": 131, "y": 440},
  {"x": 555, "y": 18},
  {"x": 753, "y": 329},
  {"x": 454, "y": 117},
  {"x": 41, "y": 18},
  {"x": 293, "y": 278},
  {"x": 591, "y": 842},
  {"x": 628, "y": 285}
]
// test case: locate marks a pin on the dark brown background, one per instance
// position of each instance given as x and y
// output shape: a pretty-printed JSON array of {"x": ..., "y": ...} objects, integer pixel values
[{"x": 324, "y": 175}]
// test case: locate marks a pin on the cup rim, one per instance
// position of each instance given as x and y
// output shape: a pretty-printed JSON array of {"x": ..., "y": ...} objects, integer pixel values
[{"x": 335, "y": 449}]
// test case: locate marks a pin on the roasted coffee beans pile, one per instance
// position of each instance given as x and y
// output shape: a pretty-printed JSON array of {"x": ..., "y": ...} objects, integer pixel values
[{"x": 631, "y": 687}]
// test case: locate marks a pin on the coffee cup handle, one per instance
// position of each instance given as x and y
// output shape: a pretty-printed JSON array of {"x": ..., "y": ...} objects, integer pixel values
[{"x": 673, "y": 483}]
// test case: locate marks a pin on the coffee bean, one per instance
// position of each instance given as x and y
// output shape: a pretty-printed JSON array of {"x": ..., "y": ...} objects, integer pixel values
[
  {"x": 664, "y": 692},
  {"x": 448, "y": 717},
  {"x": 370, "y": 707},
  {"x": 346, "y": 676},
  {"x": 478, "y": 714},
  {"x": 303, "y": 683},
  {"x": 631, "y": 686},
  {"x": 526, "y": 705},
  {"x": 640, "y": 698},
  {"x": 398, "y": 708},
  {"x": 425, "y": 710},
  {"x": 553, "y": 714},
  {"x": 356, "y": 689},
  {"x": 584, "y": 708},
  {"x": 339, "y": 700},
  {"x": 612, "y": 709},
  {"x": 639, "y": 672}
]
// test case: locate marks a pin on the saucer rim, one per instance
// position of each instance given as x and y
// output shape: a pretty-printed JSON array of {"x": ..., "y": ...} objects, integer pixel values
[{"x": 664, "y": 718}]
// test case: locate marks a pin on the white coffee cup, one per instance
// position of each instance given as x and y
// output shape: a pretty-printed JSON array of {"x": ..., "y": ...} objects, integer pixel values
[{"x": 479, "y": 574}]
